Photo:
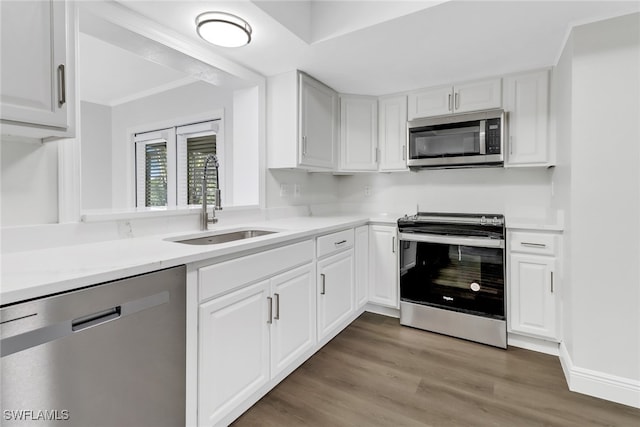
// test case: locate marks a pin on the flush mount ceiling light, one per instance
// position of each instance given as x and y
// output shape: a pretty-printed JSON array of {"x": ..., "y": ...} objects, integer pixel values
[{"x": 223, "y": 29}]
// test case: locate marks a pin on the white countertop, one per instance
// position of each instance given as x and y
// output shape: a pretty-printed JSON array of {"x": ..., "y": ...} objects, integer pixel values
[{"x": 33, "y": 274}]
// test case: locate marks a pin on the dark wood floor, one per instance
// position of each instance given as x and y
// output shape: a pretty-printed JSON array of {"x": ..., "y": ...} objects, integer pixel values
[{"x": 378, "y": 373}]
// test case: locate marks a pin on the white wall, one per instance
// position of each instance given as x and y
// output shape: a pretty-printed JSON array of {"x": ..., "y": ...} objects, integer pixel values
[
  {"x": 95, "y": 150},
  {"x": 29, "y": 182},
  {"x": 156, "y": 111},
  {"x": 314, "y": 188},
  {"x": 561, "y": 104},
  {"x": 245, "y": 148},
  {"x": 605, "y": 187},
  {"x": 513, "y": 192},
  {"x": 597, "y": 181}
]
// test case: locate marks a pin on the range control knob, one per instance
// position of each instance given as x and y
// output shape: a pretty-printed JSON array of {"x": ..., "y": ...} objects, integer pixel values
[
  {"x": 483, "y": 220},
  {"x": 495, "y": 221}
]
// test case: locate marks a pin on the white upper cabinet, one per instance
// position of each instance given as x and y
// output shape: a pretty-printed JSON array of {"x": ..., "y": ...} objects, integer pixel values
[
  {"x": 526, "y": 100},
  {"x": 392, "y": 133},
  {"x": 302, "y": 123},
  {"x": 37, "y": 69},
  {"x": 474, "y": 96},
  {"x": 430, "y": 102},
  {"x": 460, "y": 98},
  {"x": 358, "y": 133}
]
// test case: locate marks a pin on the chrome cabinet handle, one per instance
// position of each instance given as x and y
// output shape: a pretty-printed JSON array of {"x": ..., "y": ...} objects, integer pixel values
[
  {"x": 393, "y": 244},
  {"x": 449, "y": 103},
  {"x": 62, "y": 86},
  {"x": 534, "y": 245},
  {"x": 322, "y": 290},
  {"x": 270, "y": 319},
  {"x": 341, "y": 242},
  {"x": 510, "y": 144},
  {"x": 304, "y": 145},
  {"x": 457, "y": 101},
  {"x": 552, "y": 282},
  {"x": 277, "y": 315},
  {"x": 404, "y": 152}
]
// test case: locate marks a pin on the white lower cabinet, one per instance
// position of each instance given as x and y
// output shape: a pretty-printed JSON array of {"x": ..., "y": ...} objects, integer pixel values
[
  {"x": 383, "y": 266},
  {"x": 233, "y": 355},
  {"x": 534, "y": 285},
  {"x": 335, "y": 292},
  {"x": 250, "y": 336},
  {"x": 361, "y": 265},
  {"x": 293, "y": 327}
]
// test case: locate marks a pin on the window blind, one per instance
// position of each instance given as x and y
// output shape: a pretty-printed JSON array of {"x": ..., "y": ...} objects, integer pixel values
[
  {"x": 198, "y": 148},
  {"x": 156, "y": 174}
]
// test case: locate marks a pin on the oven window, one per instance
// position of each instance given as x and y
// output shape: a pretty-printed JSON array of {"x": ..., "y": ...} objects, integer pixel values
[
  {"x": 460, "y": 139},
  {"x": 462, "y": 278}
]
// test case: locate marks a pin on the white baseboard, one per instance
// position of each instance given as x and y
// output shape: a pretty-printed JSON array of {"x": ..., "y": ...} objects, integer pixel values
[
  {"x": 599, "y": 384},
  {"x": 534, "y": 344}
]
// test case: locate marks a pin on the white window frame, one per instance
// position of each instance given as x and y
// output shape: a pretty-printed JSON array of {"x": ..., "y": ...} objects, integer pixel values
[
  {"x": 176, "y": 140},
  {"x": 141, "y": 140},
  {"x": 183, "y": 133}
]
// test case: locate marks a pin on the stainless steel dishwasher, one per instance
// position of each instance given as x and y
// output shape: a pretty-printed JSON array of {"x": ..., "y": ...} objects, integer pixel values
[{"x": 106, "y": 355}]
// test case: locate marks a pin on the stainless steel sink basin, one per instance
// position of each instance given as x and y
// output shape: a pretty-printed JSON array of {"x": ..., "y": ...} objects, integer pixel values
[{"x": 225, "y": 237}]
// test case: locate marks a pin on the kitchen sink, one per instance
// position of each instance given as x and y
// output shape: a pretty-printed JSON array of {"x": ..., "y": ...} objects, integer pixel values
[{"x": 218, "y": 238}]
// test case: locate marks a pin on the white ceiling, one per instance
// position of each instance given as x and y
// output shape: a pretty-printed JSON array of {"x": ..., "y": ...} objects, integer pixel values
[{"x": 382, "y": 47}]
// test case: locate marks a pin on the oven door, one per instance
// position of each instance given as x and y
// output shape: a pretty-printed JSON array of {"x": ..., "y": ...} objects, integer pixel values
[{"x": 454, "y": 273}]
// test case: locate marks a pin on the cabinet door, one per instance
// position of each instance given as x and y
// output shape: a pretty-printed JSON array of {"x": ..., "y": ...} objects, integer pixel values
[
  {"x": 392, "y": 134},
  {"x": 34, "y": 57},
  {"x": 533, "y": 295},
  {"x": 383, "y": 266},
  {"x": 527, "y": 102},
  {"x": 361, "y": 265},
  {"x": 293, "y": 331},
  {"x": 477, "y": 96},
  {"x": 358, "y": 133},
  {"x": 430, "y": 102},
  {"x": 335, "y": 292},
  {"x": 318, "y": 123},
  {"x": 233, "y": 350}
]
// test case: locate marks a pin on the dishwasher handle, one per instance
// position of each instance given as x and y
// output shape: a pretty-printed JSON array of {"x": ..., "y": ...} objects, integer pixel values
[
  {"x": 95, "y": 319},
  {"x": 52, "y": 332}
]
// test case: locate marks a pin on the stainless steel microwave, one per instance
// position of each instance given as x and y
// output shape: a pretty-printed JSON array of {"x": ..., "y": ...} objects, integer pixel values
[{"x": 461, "y": 140}]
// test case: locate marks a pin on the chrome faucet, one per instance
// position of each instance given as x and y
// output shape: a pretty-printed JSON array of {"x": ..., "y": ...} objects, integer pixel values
[{"x": 204, "y": 217}]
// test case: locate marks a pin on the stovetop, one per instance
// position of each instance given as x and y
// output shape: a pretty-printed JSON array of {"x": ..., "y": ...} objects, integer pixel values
[{"x": 454, "y": 224}]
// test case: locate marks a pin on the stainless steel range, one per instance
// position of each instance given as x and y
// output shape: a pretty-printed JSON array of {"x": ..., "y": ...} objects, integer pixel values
[{"x": 452, "y": 270}]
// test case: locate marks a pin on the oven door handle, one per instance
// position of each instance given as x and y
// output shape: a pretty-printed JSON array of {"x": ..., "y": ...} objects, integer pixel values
[{"x": 452, "y": 240}]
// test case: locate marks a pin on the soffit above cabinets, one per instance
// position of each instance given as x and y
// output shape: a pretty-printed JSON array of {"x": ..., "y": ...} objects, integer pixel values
[{"x": 383, "y": 47}]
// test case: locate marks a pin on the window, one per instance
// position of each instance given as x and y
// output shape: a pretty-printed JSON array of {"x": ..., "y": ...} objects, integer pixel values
[
  {"x": 155, "y": 174},
  {"x": 170, "y": 164}
]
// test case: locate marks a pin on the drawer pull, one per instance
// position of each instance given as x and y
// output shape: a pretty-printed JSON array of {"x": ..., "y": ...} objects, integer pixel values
[
  {"x": 341, "y": 242},
  {"x": 534, "y": 245}
]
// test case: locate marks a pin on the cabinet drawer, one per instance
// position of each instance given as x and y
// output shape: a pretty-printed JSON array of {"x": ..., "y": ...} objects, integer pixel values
[
  {"x": 334, "y": 242},
  {"x": 220, "y": 278},
  {"x": 533, "y": 243}
]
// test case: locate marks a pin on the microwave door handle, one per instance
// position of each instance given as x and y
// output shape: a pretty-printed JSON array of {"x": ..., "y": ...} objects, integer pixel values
[{"x": 483, "y": 142}]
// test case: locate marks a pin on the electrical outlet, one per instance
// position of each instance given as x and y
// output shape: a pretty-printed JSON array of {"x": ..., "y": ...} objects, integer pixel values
[
  {"x": 367, "y": 191},
  {"x": 285, "y": 190}
]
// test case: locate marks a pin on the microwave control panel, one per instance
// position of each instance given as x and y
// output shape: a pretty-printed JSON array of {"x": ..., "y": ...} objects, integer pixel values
[{"x": 493, "y": 133}]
